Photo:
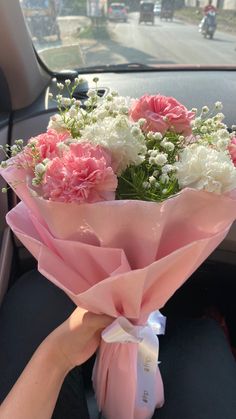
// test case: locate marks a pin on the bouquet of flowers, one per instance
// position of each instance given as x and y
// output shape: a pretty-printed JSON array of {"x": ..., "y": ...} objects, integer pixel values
[{"x": 121, "y": 200}]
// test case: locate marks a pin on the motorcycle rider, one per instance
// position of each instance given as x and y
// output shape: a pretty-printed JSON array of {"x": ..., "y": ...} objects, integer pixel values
[{"x": 209, "y": 8}]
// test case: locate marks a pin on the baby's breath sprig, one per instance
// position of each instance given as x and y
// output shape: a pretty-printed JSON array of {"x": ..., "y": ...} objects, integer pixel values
[
  {"x": 13, "y": 185},
  {"x": 11, "y": 151},
  {"x": 208, "y": 128},
  {"x": 39, "y": 172},
  {"x": 70, "y": 87},
  {"x": 142, "y": 183},
  {"x": 155, "y": 178},
  {"x": 208, "y": 120},
  {"x": 73, "y": 115}
]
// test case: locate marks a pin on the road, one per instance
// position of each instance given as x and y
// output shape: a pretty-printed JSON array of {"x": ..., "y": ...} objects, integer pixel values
[{"x": 162, "y": 43}]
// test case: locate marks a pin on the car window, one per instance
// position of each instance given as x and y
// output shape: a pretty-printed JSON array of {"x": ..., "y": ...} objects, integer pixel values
[{"x": 72, "y": 34}]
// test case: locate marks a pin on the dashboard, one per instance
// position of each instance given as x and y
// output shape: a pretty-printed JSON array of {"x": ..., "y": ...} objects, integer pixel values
[{"x": 194, "y": 88}]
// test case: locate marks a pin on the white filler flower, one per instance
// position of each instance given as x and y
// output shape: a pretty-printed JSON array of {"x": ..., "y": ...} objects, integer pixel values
[
  {"x": 57, "y": 123},
  {"x": 117, "y": 104}
]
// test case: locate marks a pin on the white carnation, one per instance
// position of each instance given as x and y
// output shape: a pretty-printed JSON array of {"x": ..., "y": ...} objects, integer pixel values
[
  {"x": 117, "y": 135},
  {"x": 223, "y": 144},
  {"x": 202, "y": 167}
]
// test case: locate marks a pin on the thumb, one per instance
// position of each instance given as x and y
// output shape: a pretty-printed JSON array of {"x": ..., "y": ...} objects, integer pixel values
[
  {"x": 99, "y": 321},
  {"x": 104, "y": 320}
]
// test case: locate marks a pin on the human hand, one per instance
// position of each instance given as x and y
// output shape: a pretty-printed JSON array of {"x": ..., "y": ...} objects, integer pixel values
[
  {"x": 76, "y": 340},
  {"x": 35, "y": 393}
]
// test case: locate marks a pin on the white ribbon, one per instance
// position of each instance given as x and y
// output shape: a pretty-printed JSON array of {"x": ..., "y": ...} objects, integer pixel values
[{"x": 122, "y": 331}]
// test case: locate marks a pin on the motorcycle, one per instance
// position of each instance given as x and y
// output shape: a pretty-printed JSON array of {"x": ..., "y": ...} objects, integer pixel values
[{"x": 208, "y": 25}]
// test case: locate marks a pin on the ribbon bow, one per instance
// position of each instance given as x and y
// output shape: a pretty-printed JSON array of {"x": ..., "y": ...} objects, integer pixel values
[{"x": 123, "y": 331}]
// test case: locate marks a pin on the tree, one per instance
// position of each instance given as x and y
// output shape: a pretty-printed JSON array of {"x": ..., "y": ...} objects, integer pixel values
[{"x": 74, "y": 7}]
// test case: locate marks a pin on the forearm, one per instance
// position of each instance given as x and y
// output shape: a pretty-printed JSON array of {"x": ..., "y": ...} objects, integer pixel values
[
  {"x": 72, "y": 343},
  {"x": 35, "y": 393}
]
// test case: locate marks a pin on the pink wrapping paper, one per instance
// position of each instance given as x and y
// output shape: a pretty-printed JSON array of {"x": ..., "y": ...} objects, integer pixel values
[{"x": 121, "y": 258}]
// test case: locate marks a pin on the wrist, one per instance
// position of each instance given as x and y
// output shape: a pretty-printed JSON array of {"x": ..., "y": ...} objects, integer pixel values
[{"x": 54, "y": 358}]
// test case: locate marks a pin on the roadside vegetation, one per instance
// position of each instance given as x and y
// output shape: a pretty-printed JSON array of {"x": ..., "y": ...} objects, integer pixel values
[
  {"x": 74, "y": 7},
  {"x": 95, "y": 32}
]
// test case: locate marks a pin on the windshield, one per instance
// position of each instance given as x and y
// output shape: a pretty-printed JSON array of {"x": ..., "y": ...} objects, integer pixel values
[{"x": 77, "y": 34}]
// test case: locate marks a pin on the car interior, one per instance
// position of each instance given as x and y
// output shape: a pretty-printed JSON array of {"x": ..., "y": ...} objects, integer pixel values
[{"x": 25, "y": 108}]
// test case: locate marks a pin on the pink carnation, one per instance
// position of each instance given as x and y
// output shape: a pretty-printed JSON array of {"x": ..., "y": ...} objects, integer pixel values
[
  {"x": 83, "y": 174},
  {"x": 162, "y": 113},
  {"x": 232, "y": 150},
  {"x": 45, "y": 146}
]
